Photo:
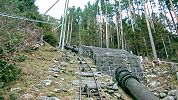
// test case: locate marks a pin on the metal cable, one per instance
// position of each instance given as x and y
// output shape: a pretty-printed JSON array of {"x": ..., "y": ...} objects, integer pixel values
[
  {"x": 24, "y": 18},
  {"x": 51, "y": 7}
]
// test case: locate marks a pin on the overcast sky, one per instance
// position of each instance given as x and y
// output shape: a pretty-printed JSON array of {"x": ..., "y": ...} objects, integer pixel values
[{"x": 57, "y": 10}]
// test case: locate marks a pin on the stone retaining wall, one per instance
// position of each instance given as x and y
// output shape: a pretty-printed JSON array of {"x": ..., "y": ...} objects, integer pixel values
[{"x": 107, "y": 60}]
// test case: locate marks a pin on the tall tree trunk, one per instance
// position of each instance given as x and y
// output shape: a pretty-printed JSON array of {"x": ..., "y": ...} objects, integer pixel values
[
  {"x": 68, "y": 30},
  {"x": 107, "y": 35},
  {"x": 165, "y": 48},
  {"x": 121, "y": 28},
  {"x": 146, "y": 46},
  {"x": 150, "y": 33},
  {"x": 172, "y": 19},
  {"x": 150, "y": 17},
  {"x": 97, "y": 23},
  {"x": 133, "y": 8},
  {"x": 169, "y": 40},
  {"x": 131, "y": 16},
  {"x": 117, "y": 26},
  {"x": 70, "y": 36},
  {"x": 63, "y": 29},
  {"x": 100, "y": 25},
  {"x": 174, "y": 14},
  {"x": 80, "y": 39},
  {"x": 63, "y": 39}
]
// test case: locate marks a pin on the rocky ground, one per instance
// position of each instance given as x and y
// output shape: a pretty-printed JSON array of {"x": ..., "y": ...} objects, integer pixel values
[
  {"x": 49, "y": 74},
  {"x": 161, "y": 80}
]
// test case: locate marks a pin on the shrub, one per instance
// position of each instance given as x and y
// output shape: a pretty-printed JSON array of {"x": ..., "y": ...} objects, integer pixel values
[
  {"x": 13, "y": 43},
  {"x": 8, "y": 73},
  {"x": 50, "y": 38},
  {"x": 20, "y": 58},
  {"x": 13, "y": 96},
  {"x": 1, "y": 51}
]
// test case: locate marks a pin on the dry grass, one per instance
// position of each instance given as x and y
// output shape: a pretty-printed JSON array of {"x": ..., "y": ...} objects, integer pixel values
[{"x": 36, "y": 68}]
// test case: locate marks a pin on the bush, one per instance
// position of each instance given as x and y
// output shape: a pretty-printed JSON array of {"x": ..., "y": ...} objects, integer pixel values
[
  {"x": 13, "y": 96},
  {"x": 50, "y": 38},
  {"x": 20, "y": 58},
  {"x": 13, "y": 43},
  {"x": 8, "y": 73},
  {"x": 1, "y": 51}
]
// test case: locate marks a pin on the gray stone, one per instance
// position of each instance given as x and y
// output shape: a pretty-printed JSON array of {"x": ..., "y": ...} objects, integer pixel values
[
  {"x": 18, "y": 89},
  {"x": 169, "y": 98},
  {"x": 110, "y": 91},
  {"x": 72, "y": 62},
  {"x": 46, "y": 82},
  {"x": 173, "y": 92},
  {"x": 156, "y": 94},
  {"x": 115, "y": 87},
  {"x": 54, "y": 98},
  {"x": 39, "y": 86},
  {"x": 177, "y": 75},
  {"x": 55, "y": 75},
  {"x": 117, "y": 95},
  {"x": 166, "y": 91},
  {"x": 48, "y": 98},
  {"x": 43, "y": 98},
  {"x": 89, "y": 83},
  {"x": 62, "y": 79},
  {"x": 57, "y": 90},
  {"x": 153, "y": 84},
  {"x": 63, "y": 64},
  {"x": 162, "y": 95},
  {"x": 27, "y": 96},
  {"x": 55, "y": 69},
  {"x": 89, "y": 74},
  {"x": 94, "y": 69}
]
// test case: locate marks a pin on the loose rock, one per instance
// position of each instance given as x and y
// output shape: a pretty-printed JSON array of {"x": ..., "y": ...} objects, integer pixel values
[
  {"x": 48, "y": 98},
  {"x": 27, "y": 96},
  {"x": 153, "y": 84},
  {"x": 115, "y": 87},
  {"x": 46, "y": 82},
  {"x": 162, "y": 95},
  {"x": 110, "y": 91},
  {"x": 173, "y": 92},
  {"x": 117, "y": 95},
  {"x": 15, "y": 89},
  {"x": 169, "y": 98}
]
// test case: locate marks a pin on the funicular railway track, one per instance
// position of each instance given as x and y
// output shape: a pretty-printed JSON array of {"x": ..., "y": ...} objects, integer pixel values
[
  {"x": 86, "y": 74},
  {"x": 84, "y": 91},
  {"x": 83, "y": 62},
  {"x": 126, "y": 80}
]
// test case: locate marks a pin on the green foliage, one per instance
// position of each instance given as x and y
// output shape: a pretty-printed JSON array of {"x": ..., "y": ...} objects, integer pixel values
[
  {"x": 13, "y": 96},
  {"x": 1, "y": 51},
  {"x": 8, "y": 73},
  {"x": 50, "y": 38},
  {"x": 20, "y": 58},
  {"x": 13, "y": 42}
]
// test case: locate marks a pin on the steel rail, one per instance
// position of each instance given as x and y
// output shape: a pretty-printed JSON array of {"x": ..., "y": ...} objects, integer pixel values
[{"x": 100, "y": 97}]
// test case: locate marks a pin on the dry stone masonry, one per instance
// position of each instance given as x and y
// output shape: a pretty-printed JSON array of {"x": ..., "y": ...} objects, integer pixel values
[{"x": 107, "y": 60}]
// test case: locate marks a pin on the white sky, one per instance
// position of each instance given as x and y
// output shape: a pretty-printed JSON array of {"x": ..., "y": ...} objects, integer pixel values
[{"x": 57, "y": 10}]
